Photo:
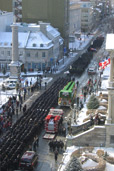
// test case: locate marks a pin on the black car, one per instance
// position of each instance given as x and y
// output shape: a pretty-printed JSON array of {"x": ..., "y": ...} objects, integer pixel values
[{"x": 28, "y": 160}]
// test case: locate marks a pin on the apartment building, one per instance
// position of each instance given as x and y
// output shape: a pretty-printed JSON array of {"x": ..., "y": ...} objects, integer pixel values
[
  {"x": 74, "y": 17},
  {"x": 86, "y": 16}
]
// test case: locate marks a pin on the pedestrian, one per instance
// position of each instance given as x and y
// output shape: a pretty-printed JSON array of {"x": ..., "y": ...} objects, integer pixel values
[
  {"x": 21, "y": 99},
  {"x": 56, "y": 155},
  {"x": 77, "y": 83},
  {"x": 92, "y": 120},
  {"x": 50, "y": 145},
  {"x": 17, "y": 112},
  {"x": 34, "y": 145},
  {"x": 58, "y": 145},
  {"x": 54, "y": 145},
  {"x": 24, "y": 95},
  {"x": 61, "y": 145},
  {"x": 37, "y": 141},
  {"x": 17, "y": 103},
  {"x": 30, "y": 148},
  {"x": 77, "y": 100},
  {"x": 45, "y": 85},
  {"x": 84, "y": 96},
  {"x": 20, "y": 107},
  {"x": 64, "y": 131}
]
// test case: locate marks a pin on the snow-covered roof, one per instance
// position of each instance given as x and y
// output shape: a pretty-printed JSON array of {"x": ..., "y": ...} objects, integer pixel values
[
  {"x": 26, "y": 39},
  {"x": 6, "y": 39},
  {"x": 109, "y": 42},
  {"x": 38, "y": 40},
  {"x": 52, "y": 31}
]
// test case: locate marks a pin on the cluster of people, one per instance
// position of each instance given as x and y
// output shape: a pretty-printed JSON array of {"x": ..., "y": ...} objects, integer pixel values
[
  {"x": 56, "y": 145},
  {"x": 90, "y": 87},
  {"x": 23, "y": 131},
  {"x": 62, "y": 130},
  {"x": 7, "y": 112},
  {"x": 97, "y": 119}
]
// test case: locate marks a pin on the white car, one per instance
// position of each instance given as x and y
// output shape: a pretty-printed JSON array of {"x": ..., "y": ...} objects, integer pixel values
[
  {"x": 10, "y": 86},
  {"x": 92, "y": 70}
]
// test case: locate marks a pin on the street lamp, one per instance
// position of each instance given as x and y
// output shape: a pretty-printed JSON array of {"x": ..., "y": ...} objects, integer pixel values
[{"x": 37, "y": 78}]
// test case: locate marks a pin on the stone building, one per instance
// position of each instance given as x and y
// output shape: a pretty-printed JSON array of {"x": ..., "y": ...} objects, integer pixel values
[
  {"x": 110, "y": 117},
  {"x": 55, "y": 12},
  {"x": 40, "y": 46}
]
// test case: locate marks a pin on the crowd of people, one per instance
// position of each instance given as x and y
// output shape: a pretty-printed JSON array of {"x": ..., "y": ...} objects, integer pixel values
[
  {"x": 22, "y": 132},
  {"x": 56, "y": 146},
  {"x": 8, "y": 110}
]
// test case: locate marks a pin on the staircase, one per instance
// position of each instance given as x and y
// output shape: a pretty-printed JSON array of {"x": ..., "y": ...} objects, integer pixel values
[{"x": 95, "y": 136}]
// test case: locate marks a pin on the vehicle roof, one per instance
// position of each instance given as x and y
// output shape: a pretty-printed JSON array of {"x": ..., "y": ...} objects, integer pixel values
[{"x": 28, "y": 155}]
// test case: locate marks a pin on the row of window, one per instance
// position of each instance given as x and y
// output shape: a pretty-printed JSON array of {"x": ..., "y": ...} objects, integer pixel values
[{"x": 21, "y": 54}]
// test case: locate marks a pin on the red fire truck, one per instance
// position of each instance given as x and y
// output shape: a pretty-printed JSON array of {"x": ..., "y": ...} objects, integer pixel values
[{"x": 52, "y": 122}]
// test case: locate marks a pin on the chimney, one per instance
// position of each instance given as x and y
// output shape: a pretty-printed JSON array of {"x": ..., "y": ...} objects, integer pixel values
[{"x": 43, "y": 27}]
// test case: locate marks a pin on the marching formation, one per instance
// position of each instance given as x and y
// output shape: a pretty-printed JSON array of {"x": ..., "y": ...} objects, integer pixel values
[{"x": 18, "y": 138}]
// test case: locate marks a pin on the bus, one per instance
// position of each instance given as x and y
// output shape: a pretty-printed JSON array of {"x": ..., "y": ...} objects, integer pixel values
[{"x": 67, "y": 95}]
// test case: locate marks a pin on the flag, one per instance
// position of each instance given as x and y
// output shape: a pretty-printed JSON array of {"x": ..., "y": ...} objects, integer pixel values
[{"x": 104, "y": 63}]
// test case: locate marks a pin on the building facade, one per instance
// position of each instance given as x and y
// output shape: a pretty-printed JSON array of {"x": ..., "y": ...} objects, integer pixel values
[
  {"x": 6, "y": 19},
  {"x": 86, "y": 16},
  {"x": 40, "y": 47},
  {"x": 74, "y": 18}
]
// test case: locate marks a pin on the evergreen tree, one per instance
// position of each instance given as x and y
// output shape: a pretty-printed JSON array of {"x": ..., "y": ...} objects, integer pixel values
[{"x": 93, "y": 102}]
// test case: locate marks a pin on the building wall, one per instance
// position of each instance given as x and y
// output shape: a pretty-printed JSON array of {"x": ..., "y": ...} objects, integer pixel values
[
  {"x": 6, "y": 19},
  {"x": 32, "y": 61},
  {"x": 86, "y": 17},
  {"x": 75, "y": 18},
  {"x": 5, "y": 7}
]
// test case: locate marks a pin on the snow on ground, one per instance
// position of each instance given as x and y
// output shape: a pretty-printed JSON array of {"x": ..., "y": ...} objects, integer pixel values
[
  {"x": 4, "y": 95},
  {"x": 109, "y": 167},
  {"x": 88, "y": 163},
  {"x": 79, "y": 44}
]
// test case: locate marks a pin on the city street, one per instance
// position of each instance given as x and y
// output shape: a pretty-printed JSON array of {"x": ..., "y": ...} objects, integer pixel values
[{"x": 46, "y": 159}]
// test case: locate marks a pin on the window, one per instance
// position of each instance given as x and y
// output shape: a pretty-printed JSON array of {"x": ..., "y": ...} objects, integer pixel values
[
  {"x": 2, "y": 53},
  {"x": 36, "y": 54},
  {"x": 20, "y": 53},
  {"x": 43, "y": 54},
  {"x": 8, "y": 53},
  {"x": 28, "y": 54},
  {"x": 112, "y": 139}
]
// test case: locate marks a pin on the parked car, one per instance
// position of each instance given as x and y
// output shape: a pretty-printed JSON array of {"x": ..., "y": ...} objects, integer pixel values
[
  {"x": 91, "y": 70},
  {"x": 28, "y": 160},
  {"x": 10, "y": 86}
]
